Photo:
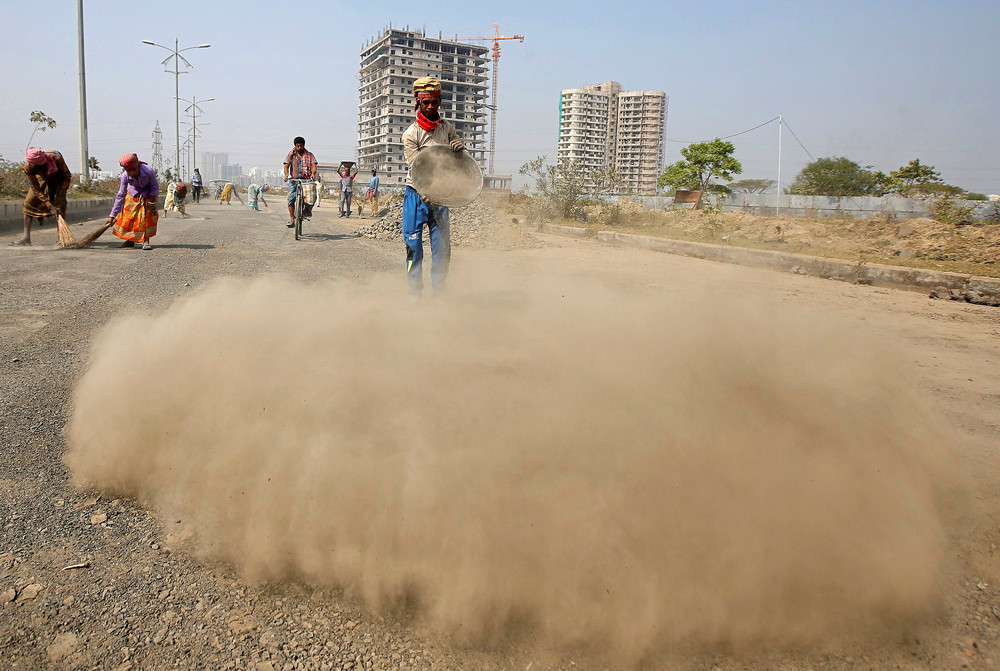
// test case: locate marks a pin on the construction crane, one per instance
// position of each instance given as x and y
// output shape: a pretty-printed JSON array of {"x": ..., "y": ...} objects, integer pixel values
[{"x": 496, "y": 66}]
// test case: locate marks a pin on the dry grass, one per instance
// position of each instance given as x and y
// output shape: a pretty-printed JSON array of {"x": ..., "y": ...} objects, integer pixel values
[{"x": 913, "y": 243}]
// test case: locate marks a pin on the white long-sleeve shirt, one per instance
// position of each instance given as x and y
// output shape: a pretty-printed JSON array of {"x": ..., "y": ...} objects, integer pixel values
[{"x": 415, "y": 137}]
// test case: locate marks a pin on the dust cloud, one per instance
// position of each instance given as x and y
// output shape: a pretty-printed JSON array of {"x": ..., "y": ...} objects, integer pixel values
[{"x": 619, "y": 469}]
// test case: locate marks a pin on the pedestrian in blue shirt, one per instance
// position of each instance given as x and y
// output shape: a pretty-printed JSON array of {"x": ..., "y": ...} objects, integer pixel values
[{"x": 373, "y": 192}]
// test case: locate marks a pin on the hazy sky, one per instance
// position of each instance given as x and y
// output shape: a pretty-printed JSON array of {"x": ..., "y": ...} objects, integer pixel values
[{"x": 878, "y": 82}]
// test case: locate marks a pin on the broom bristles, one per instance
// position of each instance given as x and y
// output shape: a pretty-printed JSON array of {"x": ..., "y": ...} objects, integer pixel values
[
  {"x": 66, "y": 238},
  {"x": 86, "y": 242}
]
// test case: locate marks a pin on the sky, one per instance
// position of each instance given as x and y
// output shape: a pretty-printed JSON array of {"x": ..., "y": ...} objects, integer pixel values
[{"x": 878, "y": 82}]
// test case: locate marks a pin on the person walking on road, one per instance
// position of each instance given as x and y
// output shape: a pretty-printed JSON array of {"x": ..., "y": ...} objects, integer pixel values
[
  {"x": 196, "y": 186},
  {"x": 373, "y": 192},
  {"x": 48, "y": 181},
  {"x": 346, "y": 187},
  {"x": 300, "y": 163},
  {"x": 134, "y": 212},
  {"x": 227, "y": 194},
  {"x": 255, "y": 192},
  {"x": 428, "y": 129}
]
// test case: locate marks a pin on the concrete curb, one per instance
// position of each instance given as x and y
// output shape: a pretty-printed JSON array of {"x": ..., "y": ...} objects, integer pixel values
[
  {"x": 914, "y": 279},
  {"x": 571, "y": 231}
]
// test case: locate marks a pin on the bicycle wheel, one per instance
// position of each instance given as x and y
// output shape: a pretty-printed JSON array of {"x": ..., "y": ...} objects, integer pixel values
[{"x": 298, "y": 216}]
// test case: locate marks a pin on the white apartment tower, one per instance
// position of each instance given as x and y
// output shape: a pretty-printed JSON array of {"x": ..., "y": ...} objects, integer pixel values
[
  {"x": 601, "y": 127},
  {"x": 389, "y": 66}
]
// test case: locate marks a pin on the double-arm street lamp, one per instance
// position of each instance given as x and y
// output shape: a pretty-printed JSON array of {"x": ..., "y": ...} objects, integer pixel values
[{"x": 175, "y": 53}]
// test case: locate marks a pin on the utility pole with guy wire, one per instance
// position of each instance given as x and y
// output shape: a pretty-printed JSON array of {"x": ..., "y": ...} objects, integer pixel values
[{"x": 176, "y": 55}]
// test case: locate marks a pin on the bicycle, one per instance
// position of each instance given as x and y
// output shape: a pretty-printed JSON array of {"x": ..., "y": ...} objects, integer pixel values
[{"x": 300, "y": 204}]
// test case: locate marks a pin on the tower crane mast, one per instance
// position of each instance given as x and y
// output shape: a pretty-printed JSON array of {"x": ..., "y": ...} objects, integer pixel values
[{"x": 495, "y": 38}]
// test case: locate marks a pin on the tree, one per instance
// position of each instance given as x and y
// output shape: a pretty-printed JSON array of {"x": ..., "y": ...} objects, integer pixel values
[
  {"x": 942, "y": 189},
  {"x": 915, "y": 177},
  {"x": 752, "y": 185},
  {"x": 609, "y": 181},
  {"x": 42, "y": 121},
  {"x": 836, "y": 176},
  {"x": 563, "y": 186},
  {"x": 703, "y": 162},
  {"x": 92, "y": 164}
]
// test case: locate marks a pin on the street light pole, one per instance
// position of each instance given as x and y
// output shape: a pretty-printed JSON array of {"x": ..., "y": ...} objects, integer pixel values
[
  {"x": 177, "y": 115},
  {"x": 84, "y": 149},
  {"x": 176, "y": 53}
]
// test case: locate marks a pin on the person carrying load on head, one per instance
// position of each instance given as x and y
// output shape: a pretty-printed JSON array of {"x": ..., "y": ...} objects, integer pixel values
[
  {"x": 134, "y": 212},
  {"x": 428, "y": 129},
  {"x": 346, "y": 188},
  {"x": 48, "y": 181}
]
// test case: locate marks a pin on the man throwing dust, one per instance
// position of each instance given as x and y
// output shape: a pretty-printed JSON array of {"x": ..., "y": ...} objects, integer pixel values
[{"x": 428, "y": 129}]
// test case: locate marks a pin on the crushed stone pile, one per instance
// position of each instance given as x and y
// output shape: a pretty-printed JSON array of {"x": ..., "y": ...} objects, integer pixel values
[{"x": 475, "y": 225}]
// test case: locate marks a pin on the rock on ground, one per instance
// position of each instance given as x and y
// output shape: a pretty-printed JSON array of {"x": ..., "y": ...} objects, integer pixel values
[{"x": 475, "y": 225}]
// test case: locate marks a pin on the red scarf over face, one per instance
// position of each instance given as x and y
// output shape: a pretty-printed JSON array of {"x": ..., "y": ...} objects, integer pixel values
[
  {"x": 426, "y": 123},
  {"x": 422, "y": 120}
]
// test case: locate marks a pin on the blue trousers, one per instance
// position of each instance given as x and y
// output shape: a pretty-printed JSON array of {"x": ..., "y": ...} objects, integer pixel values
[{"x": 416, "y": 213}]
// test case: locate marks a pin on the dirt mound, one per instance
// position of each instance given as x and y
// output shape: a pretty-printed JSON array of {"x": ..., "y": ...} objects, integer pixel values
[{"x": 475, "y": 225}]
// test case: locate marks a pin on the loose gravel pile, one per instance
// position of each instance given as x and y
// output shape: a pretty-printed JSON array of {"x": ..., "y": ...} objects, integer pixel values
[{"x": 475, "y": 225}]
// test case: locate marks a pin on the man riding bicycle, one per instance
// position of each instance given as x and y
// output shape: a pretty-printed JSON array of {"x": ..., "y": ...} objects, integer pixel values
[{"x": 299, "y": 164}]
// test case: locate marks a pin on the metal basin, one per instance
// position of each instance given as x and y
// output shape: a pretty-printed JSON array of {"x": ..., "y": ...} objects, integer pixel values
[{"x": 445, "y": 177}]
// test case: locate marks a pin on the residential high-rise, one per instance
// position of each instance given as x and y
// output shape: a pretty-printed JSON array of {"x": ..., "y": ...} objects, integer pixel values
[
  {"x": 389, "y": 66},
  {"x": 602, "y": 127},
  {"x": 212, "y": 165},
  {"x": 638, "y": 154}
]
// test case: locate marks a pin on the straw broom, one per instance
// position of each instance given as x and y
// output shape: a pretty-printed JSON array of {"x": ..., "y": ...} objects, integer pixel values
[
  {"x": 89, "y": 239},
  {"x": 66, "y": 238}
]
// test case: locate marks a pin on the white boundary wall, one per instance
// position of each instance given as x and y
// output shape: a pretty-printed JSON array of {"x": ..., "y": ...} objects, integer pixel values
[{"x": 822, "y": 206}]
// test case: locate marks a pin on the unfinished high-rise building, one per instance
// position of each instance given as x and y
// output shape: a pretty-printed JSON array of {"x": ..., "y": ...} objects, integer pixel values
[
  {"x": 389, "y": 66},
  {"x": 601, "y": 127}
]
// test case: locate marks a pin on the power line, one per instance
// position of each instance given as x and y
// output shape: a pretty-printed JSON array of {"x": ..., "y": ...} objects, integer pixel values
[
  {"x": 726, "y": 137},
  {"x": 797, "y": 140}
]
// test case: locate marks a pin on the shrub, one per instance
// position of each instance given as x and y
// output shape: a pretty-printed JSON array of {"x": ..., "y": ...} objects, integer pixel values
[
  {"x": 13, "y": 181},
  {"x": 951, "y": 210}
]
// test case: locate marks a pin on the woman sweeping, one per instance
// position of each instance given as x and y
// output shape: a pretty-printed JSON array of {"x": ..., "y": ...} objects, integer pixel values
[
  {"x": 135, "y": 204},
  {"x": 49, "y": 180}
]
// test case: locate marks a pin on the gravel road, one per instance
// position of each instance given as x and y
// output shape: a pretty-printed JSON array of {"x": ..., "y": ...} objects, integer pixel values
[{"x": 91, "y": 581}]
